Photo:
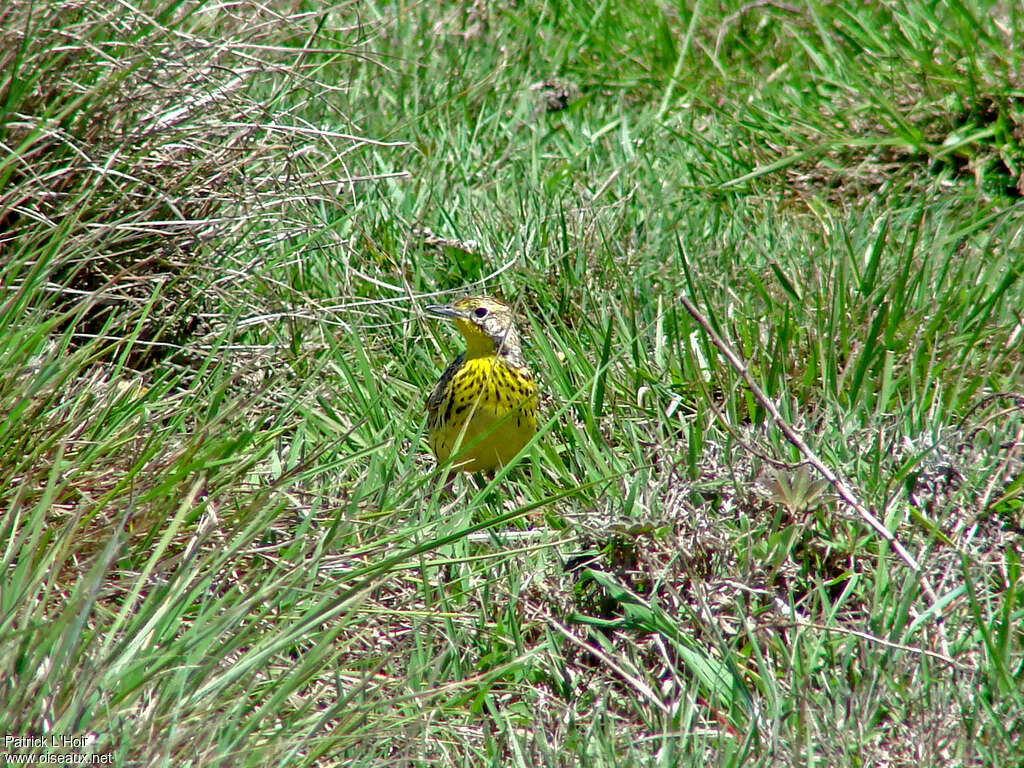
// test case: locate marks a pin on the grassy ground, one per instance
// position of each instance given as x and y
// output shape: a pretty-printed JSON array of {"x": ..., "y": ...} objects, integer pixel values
[{"x": 225, "y": 542}]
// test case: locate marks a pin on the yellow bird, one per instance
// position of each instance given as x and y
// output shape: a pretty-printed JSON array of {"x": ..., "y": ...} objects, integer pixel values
[{"x": 484, "y": 408}]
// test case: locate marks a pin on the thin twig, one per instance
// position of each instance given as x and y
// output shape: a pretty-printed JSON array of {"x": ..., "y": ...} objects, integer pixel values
[
  {"x": 944, "y": 658},
  {"x": 638, "y": 685},
  {"x": 843, "y": 489}
]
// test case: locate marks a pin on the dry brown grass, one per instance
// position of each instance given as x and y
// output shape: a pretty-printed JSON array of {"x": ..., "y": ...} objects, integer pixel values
[{"x": 142, "y": 152}]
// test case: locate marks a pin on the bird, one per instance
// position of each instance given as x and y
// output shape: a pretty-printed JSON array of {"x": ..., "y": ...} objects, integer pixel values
[{"x": 484, "y": 407}]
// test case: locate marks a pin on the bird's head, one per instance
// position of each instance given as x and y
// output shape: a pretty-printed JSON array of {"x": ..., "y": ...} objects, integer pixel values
[{"x": 487, "y": 324}]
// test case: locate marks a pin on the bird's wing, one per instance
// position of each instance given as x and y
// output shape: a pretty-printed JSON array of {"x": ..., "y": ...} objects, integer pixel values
[{"x": 436, "y": 399}]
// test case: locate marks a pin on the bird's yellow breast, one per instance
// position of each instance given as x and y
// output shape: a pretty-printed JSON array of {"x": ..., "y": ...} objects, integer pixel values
[{"x": 486, "y": 414}]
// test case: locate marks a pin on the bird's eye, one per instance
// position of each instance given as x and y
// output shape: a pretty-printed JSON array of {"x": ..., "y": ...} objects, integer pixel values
[{"x": 480, "y": 312}]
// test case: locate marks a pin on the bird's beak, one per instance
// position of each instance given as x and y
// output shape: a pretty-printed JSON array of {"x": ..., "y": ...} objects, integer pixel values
[{"x": 443, "y": 310}]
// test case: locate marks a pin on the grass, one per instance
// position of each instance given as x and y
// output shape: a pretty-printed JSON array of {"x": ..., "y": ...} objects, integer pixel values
[{"x": 225, "y": 540}]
